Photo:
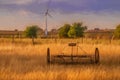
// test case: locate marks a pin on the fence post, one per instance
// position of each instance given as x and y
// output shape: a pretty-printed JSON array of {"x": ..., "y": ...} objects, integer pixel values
[{"x": 48, "y": 55}]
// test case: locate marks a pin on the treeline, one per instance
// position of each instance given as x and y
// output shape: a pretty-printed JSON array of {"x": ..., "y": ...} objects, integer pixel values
[
  {"x": 75, "y": 30},
  {"x": 66, "y": 31}
]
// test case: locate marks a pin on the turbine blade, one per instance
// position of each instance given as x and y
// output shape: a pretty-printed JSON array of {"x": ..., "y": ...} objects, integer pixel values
[
  {"x": 48, "y": 5},
  {"x": 49, "y": 15}
]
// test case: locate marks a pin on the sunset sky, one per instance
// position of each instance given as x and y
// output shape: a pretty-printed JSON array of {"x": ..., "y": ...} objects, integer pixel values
[{"x": 17, "y": 14}]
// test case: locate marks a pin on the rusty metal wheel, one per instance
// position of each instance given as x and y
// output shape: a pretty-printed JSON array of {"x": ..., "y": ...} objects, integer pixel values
[
  {"x": 48, "y": 55},
  {"x": 97, "y": 57}
]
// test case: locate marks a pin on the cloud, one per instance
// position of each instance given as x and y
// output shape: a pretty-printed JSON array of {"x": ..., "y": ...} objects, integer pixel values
[
  {"x": 62, "y": 6},
  {"x": 18, "y": 19},
  {"x": 22, "y": 18},
  {"x": 91, "y": 19},
  {"x": 19, "y": 2},
  {"x": 24, "y": 13}
]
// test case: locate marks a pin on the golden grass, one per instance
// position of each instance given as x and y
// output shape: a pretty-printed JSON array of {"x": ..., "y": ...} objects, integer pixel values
[{"x": 23, "y": 61}]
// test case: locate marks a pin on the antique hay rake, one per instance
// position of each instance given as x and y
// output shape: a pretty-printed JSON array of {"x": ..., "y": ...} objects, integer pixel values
[{"x": 73, "y": 58}]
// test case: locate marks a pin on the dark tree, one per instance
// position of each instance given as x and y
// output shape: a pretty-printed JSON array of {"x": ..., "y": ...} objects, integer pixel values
[
  {"x": 63, "y": 31},
  {"x": 31, "y": 32},
  {"x": 77, "y": 30},
  {"x": 117, "y": 32}
]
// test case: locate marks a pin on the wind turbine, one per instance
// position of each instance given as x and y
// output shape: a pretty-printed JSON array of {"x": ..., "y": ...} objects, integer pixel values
[{"x": 46, "y": 18}]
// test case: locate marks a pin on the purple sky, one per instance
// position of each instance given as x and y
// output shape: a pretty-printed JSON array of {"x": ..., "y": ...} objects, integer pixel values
[{"x": 17, "y": 14}]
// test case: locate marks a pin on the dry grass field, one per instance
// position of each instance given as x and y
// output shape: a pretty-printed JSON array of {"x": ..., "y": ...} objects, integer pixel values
[{"x": 23, "y": 61}]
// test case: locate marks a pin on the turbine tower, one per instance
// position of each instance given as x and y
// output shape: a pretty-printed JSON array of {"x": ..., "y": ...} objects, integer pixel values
[{"x": 46, "y": 18}]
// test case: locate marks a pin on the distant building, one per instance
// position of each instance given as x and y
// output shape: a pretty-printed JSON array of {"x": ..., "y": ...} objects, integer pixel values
[
  {"x": 17, "y": 34},
  {"x": 53, "y": 33},
  {"x": 99, "y": 33},
  {"x": 10, "y": 33}
]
